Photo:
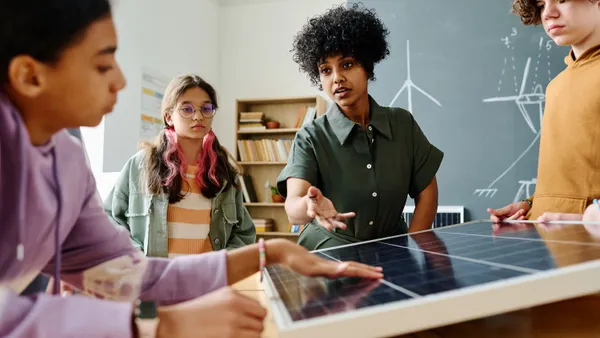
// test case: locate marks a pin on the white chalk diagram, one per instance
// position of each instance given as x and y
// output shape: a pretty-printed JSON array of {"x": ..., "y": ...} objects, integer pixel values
[
  {"x": 522, "y": 99},
  {"x": 525, "y": 190},
  {"x": 409, "y": 85}
]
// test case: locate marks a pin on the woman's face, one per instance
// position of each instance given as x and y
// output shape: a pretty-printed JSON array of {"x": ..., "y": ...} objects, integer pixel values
[
  {"x": 192, "y": 115},
  {"x": 343, "y": 79}
]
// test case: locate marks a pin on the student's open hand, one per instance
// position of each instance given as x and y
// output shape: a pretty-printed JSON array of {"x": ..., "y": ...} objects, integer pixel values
[
  {"x": 321, "y": 208},
  {"x": 222, "y": 313},
  {"x": 300, "y": 260},
  {"x": 592, "y": 213},
  {"x": 513, "y": 211},
  {"x": 557, "y": 217}
]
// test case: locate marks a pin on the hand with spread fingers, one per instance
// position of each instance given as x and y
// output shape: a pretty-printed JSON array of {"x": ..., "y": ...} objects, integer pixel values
[
  {"x": 302, "y": 261},
  {"x": 321, "y": 208}
]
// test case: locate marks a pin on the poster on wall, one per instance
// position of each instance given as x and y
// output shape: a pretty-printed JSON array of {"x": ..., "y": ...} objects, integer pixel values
[{"x": 153, "y": 89}]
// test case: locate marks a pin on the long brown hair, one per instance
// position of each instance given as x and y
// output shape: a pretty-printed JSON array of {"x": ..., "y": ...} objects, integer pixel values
[{"x": 164, "y": 164}]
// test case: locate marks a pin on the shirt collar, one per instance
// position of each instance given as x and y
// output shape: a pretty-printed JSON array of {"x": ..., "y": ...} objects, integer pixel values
[{"x": 343, "y": 126}]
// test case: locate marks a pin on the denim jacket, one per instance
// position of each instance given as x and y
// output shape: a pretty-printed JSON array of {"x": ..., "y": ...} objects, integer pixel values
[{"x": 144, "y": 215}]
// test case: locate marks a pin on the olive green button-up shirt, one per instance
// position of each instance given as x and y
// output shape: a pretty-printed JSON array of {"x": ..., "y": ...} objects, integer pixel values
[{"x": 369, "y": 171}]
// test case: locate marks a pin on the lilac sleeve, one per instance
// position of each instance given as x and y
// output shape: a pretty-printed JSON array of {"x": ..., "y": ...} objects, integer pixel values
[
  {"x": 54, "y": 316},
  {"x": 95, "y": 247},
  {"x": 99, "y": 258}
]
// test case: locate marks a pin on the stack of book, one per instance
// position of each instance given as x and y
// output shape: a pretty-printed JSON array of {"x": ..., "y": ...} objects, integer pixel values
[
  {"x": 265, "y": 150},
  {"x": 252, "y": 121},
  {"x": 263, "y": 224}
]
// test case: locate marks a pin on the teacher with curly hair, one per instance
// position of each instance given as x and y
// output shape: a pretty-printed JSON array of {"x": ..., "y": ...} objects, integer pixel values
[{"x": 351, "y": 170}]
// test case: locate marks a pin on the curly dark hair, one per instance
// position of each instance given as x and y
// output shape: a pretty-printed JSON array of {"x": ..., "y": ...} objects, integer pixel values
[
  {"x": 349, "y": 31},
  {"x": 529, "y": 11}
]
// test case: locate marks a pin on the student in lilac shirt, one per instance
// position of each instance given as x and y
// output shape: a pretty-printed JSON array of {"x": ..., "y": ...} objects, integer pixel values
[{"x": 58, "y": 71}]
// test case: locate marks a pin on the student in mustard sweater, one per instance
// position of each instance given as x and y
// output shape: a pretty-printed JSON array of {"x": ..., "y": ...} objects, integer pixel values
[
  {"x": 180, "y": 194},
  {"x": 568, "y": 177}
]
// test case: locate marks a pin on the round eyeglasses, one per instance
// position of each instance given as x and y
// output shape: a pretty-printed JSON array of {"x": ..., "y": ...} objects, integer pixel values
[{"x": 187, "y": 111}]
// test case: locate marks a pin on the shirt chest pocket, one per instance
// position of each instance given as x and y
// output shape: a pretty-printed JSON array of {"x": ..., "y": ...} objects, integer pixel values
[
  {"x": 138, "y": 215},
  {"x": 229, "y": 214},
  {"x": 139, "y": 205}
]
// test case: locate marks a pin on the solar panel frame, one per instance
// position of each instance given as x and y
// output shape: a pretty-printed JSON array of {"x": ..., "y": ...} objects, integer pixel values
[{"x": 439, "y": 309}]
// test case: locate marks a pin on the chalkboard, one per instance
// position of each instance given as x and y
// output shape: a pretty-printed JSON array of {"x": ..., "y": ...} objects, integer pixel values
[{"x": 459, "y": 67}]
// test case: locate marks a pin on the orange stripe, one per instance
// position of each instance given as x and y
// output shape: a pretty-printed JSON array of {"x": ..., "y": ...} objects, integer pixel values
[
  {"x": 192, "y": 169},
  {"x": 180, "y": 215},
  {"x": 189, "y": 246},
  {"x": 191, "y": 186}
]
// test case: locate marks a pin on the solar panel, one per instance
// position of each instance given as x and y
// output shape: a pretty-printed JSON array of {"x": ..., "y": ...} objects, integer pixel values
[{"x": 439, "y": 277}]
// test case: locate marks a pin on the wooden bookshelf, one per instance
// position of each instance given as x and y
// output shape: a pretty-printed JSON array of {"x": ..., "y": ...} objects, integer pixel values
[
  {"x": 287, "y": 111},
  {"x": 270, "y": 131}
]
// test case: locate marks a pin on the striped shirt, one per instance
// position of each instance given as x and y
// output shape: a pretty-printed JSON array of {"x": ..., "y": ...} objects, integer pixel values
[{"x": 188, "y": 221}]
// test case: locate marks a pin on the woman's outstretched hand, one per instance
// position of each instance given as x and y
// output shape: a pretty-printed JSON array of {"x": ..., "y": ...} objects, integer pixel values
[{"x": 321, "y": 208}]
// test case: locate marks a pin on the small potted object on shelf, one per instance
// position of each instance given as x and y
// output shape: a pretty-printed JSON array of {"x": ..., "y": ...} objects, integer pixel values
[
  {"x": 272, "y": 124},
  {"x": 276, "y": 197}
]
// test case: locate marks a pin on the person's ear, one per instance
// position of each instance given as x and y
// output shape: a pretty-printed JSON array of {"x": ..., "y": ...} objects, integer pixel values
[
  {"x": 27, "y": 76},
  {"x": 169, "y": 119}
]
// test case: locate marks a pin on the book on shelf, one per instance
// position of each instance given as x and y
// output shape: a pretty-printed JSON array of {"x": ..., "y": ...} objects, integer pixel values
[
  {"x": 305, "y": 115},
  {"x": 296, "y": 228},
  {"x": 252, "y": 121},
  {"x": 256, "y": 121},
  {"x": 248, "y": 189},
  {"x": 263, "y": 224},
  {"x": 264, "y": 150}
]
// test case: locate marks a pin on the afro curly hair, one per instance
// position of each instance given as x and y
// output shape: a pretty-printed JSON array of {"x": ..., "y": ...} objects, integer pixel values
[{"x": 349, "y": 31}]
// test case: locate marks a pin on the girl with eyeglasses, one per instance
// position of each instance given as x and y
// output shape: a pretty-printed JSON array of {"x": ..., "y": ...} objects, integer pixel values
[{"x": 180, "y": 194}]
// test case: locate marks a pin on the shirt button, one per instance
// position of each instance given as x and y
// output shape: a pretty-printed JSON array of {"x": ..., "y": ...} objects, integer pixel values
[
  {"x": 370, "y": 128},
  {"x": 371, "y": 223},
  {"x": 372, "y": 140},
  {"x": 369, "y": 166},
  {"x": 217, "y": 241},
  {"x": 216, "y": 211},
  {"x": 374, "y": 194}
]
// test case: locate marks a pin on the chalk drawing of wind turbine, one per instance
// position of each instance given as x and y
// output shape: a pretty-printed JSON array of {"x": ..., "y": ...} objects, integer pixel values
[
  {"x": 536, "y": 97},
  {"x": 409, "y": 84}
]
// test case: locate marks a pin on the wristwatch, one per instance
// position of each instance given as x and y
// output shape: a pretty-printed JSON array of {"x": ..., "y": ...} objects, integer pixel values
[
  {"x": 530, "y": 202},
  {"x": 144, "y": 310}
]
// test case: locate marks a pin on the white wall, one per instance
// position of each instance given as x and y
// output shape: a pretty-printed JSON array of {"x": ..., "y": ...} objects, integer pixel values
[
  {"x": 241, "y": 48},
  {"x": 255, "y": 39},
  {"x": 168, "y": 37}
]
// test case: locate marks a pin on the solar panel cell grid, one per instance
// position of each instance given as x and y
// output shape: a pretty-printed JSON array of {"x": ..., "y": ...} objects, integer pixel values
[{"x": 445, "y": 262}]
